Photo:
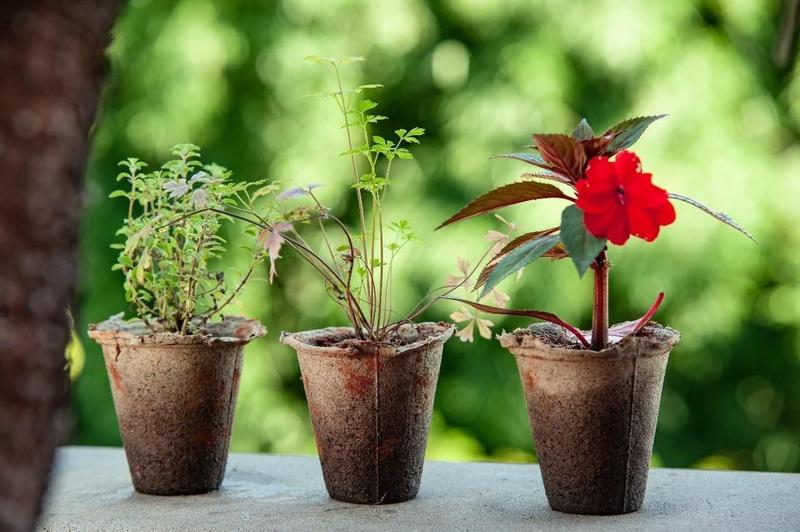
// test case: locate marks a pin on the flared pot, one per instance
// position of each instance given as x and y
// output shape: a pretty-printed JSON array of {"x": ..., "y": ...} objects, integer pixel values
[
  {"x": 593, "y": 414},
  {"x": 175, "y": 397},
  {"x": 371, "y": 407}
]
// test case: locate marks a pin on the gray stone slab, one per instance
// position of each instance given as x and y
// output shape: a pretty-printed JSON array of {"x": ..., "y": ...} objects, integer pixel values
[{"x": 91, "y": 491}]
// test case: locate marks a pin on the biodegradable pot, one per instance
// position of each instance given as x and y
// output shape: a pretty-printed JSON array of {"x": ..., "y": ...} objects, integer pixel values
[
  {"x": 371, "y": 407},
  {"x": 175, "y": 398},
  {"x": 593, "y": 413}
]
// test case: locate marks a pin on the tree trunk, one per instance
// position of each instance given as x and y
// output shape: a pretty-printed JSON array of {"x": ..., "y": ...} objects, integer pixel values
[{"x": 52, "y": 64}]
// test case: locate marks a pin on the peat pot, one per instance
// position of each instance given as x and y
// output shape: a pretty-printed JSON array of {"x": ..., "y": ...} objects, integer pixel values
[
  {"x": 175, "y": 397},
  {"x": 593, "y": 413},
  {"x": 371, "y": 407}
]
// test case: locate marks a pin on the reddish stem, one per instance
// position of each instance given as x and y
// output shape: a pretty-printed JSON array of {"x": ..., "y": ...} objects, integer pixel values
[{"x": 600, "y": 311}]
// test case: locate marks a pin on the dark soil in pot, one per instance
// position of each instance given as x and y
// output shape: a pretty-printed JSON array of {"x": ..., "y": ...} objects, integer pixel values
[
  {"x": 175, "y": 398},
  {"x": 593, "y": 413},
  {"x": 371, "y": 407}
]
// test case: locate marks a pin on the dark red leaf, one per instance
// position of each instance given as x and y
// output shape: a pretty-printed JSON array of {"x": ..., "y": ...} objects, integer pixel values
[
  {"x": 596, "y": 146},
  {"x": 538, "y": 314},
  {"x": 507, "y": 195},
  {"x": 564, "y": 153},
  {"x": 525, "y": 238}
]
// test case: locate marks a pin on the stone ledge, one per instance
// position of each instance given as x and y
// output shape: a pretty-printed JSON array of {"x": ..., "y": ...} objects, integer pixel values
[{"x": 91, "y": 491}]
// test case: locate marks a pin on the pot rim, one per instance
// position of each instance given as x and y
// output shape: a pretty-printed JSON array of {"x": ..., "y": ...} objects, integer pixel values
[
  {"x": 231, "y": 330},
  {"x": 526, "y": 342},
  {"x": 441, "y": 332}
]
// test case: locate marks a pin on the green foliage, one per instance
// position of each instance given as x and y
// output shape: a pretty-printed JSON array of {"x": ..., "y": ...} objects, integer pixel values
[
  {"x": 581, "y": 245},
  {"x": 359, "y": 275},
  {"x": 172, "y": 233}
]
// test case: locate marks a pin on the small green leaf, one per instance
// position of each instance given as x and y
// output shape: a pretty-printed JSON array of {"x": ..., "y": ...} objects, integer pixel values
[
  {"x": 118, "y": 193},
  {"x": 366, "y": 105},
  {"x": 582, "y": 246},
  {"x": 530, "y": 158},
  {"x": 361, "y": 88},
  {"x": 721, "y": 216},
  {"x": 627, "y": 132},
  {"x": 583, "y": 131},
  {"x": 518, "y": 259}
]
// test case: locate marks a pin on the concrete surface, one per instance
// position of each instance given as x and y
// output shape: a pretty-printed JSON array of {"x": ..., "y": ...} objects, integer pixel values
[{"x": 91, "y": 490}]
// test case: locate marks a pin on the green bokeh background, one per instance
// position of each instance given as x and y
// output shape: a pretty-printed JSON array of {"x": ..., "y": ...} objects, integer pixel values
[{"x": 481, "y": 76}]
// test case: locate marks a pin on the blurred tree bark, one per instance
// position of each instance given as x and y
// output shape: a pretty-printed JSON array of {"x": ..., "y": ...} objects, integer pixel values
[{"x": 52, "y": 64}]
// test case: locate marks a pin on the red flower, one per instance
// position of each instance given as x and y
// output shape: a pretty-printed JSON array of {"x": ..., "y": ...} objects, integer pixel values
[{"x": 619, "y": 200}]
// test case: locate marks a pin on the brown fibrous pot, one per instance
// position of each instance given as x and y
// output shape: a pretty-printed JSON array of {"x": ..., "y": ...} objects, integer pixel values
[
  {"x": 593, "y": 413},
  {"x": 175, "y": 397},
  {"x": 371, "y": 407}
]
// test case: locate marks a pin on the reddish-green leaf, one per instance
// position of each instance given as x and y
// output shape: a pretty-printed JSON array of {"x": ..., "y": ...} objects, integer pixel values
[
  {"x": 517, "y": 259},
  {"x": 632, "y": 327},
  {"x": 527, "y": 237},
  {"x": 627, "y": 132},
  {"x": 505, "y": 196},
  {"x": 563, "y": 153},
  {"x": 538, "y": 314},
  {"x": 511, "y": 246},
  {"x": 531, "y": 158},
  {"x": 721, "y": 216}
]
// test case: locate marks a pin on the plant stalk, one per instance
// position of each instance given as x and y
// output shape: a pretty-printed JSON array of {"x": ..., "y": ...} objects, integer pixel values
[{"x": 600, "y": 310}]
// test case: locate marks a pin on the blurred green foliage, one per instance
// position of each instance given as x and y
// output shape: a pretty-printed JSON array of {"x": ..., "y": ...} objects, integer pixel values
[{"x": 481, "y": 76}]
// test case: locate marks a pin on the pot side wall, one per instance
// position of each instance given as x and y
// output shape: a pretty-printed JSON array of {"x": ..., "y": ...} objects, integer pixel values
[
  {"x": 175, "y": 406},
  {"x": 593, "y": 417},
  {"x": 371, "y": 414}
]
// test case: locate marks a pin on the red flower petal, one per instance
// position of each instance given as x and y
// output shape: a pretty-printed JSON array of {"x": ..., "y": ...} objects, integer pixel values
[
  {"x": 642, "y": 192},
  {"x": 664, "y": 214},
  {"x": 620, "y": 200},
  {"x": 590, "y": 200},
  {"x": 600, "y": 224},
  {"x": 619, "y": 232},
  {"x": 641, "y": 223},
  {"x": 627, "y": 165},
  {"x": 600, "y": 174}
]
